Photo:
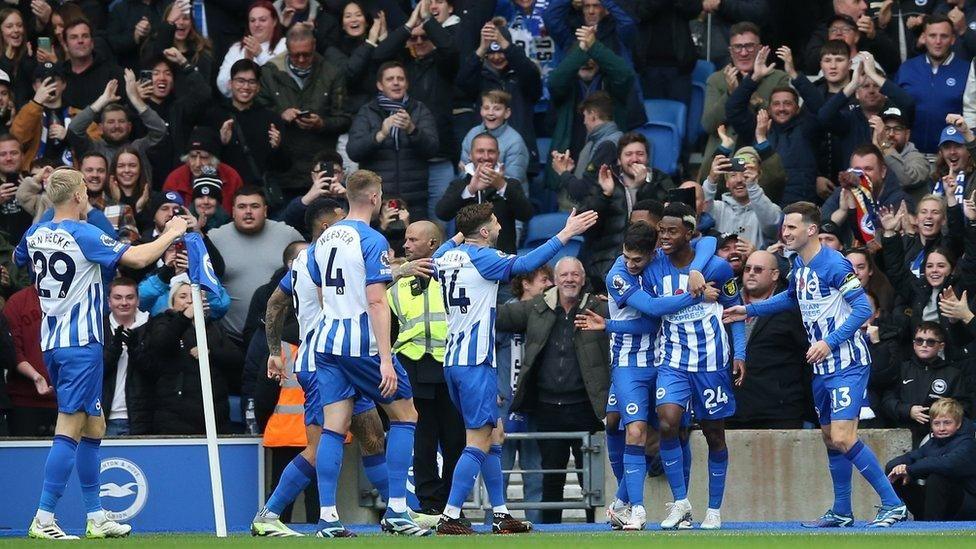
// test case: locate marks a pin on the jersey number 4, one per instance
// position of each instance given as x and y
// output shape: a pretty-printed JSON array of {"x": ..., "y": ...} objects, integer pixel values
[
  {"x": 454, "y": 300},
  {"x": 336, "y": 281},
  {"x": 44, "y": 267}
]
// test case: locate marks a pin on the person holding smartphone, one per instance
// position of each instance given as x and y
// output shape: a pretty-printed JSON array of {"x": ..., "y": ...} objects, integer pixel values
[
  {"x": 744, "y": 209},
  {"x": 41, "y": 124}
]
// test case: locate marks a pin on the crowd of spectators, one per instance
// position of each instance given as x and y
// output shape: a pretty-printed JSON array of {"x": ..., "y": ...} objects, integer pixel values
[{"x": 246, "y": 116}]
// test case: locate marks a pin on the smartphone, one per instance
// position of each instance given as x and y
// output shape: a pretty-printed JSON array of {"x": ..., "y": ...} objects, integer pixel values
[
  {"x": 304, "y": 114},
  {"x": 179, "y": 246},
  {"x": 145, "y": 75},
  {"x": 327, "y": 168},
  {"x": 44, "y": 43},
  {"x": 737, "y": 165},
  {"x": 393, "y": 204}
]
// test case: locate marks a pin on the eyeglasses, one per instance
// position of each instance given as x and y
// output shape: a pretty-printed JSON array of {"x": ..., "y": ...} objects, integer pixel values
[
  {"x": 840, "y": 30},
  {"x": 747, "y": 48},
  {"x": 418, "y": 38},
  {"x": 894, "y": 129},
  {"x": 758, "y": 269},
  {"x": 927, "y": 341},
  {"x": 245, "y": 81}
]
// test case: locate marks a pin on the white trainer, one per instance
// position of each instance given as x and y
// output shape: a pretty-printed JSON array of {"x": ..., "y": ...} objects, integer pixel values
[
  {"x": 637, "y": 519},
  {"x": 618, "y": 514},
  {"x": 713, "y": 520},
  {"x": 106, "y": 529},
  {"x": 677, "y": 512},
  {"x": 47, "y": 531}
]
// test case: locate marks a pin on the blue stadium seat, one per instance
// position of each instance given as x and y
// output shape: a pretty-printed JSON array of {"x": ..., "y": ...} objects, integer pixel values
[
  {"x": 236, "y": 411},
  {"x": 543, "y": 199},
  {"x": 668, "y": 112},
  {"x": 572, "y": 249},
  {"x": 543, "y": 144},
  {"x": 665, "y": 145},
  {"x": 703, "y": 69},
  {"x": 542, "y": 227}
]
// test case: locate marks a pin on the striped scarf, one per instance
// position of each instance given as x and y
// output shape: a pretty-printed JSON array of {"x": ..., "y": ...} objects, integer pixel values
[{"x": 392, "y": 107}]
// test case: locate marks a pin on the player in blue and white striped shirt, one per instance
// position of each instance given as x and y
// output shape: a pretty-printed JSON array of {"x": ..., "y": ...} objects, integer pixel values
[
  {"x": 353, "y": 353},
  {"x": 633, "y": 327},
  {"x": 71, "y": 261},
  {"x": 470, "y": 269},
  {"x": 693, "y": 359},
  {"x": 833, "y": 308}
]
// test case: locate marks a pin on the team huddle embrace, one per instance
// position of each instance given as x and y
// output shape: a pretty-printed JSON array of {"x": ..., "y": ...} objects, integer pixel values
[{"x": 677, "y": 348}]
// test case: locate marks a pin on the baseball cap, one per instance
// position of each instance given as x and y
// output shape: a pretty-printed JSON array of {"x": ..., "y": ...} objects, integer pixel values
[
  {"x": 893, "y": 113},
  {"x": 951, "y": 134},
  {"x": 47, "y": 70}
]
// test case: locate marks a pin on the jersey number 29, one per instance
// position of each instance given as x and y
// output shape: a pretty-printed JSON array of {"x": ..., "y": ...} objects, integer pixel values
[{"x": 45, "y": 267}]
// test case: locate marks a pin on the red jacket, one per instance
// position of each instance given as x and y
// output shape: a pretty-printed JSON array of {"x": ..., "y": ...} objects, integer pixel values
[
  {"x": 181, "y": 181},
  {"x": 23, "y": 312}
]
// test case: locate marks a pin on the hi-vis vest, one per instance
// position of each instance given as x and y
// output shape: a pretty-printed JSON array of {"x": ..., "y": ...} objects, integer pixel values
[
  {"x": 423, "y": 322},
  {"x": 286, "y": 426}
]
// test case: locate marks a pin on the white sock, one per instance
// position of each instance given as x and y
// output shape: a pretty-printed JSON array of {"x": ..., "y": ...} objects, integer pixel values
[
  {"x": 398, "y": 505},
  {"x": 683, "y": 501},
  {"x": 451, "y": 511},
  {"x": 618, "y": 503},
  {"x": 329, "y": 514},
  {"x": 500, "y": 509},
  {"x": 268, "y": 514},
  {"x": 44, "y": 517},
  {"x": 98, "y": 516}
]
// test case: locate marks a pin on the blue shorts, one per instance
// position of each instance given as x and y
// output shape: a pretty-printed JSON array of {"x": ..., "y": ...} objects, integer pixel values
[
  {"x": 314, "y": 411},
  {"x": 634, "y": 389},
  {"x": 707, "y": 394},
  {"x": 612, "y": 407},
  {"x": 474, "y": 392},
  {"x": 344, "y": 377},
  {"x": 838, "y": 396},
  {"x": 76, "y": 374}
]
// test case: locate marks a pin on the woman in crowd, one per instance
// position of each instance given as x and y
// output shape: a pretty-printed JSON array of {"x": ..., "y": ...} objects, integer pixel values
[
  {"x": 264, "y": 40},
  {"x": 177, "y": 31},
  {"x": 128, "y": 184},
  {"x": 872, "y": 278},
  {"x": 16, "y": 59},
  {"x": 171, "y": 340}
]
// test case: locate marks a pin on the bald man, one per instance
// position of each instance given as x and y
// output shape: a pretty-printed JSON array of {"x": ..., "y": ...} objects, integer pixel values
[
  {"x": 418, "y": 313},
  {"x": 565, "y": 374},
  {"x": 776, "y": 395}
]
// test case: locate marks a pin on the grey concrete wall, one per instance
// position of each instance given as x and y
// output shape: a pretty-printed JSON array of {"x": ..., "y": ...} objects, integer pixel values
[{"x": 773, "y": 476}]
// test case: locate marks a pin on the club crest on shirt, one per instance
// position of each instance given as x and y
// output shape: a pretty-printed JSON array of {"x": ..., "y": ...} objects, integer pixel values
[
  {"x": 730, "y": 288},
  {"x": 619, "y": 284},
  {"x": 107, "y": 240},
  {"x": 384, "y": 259}
]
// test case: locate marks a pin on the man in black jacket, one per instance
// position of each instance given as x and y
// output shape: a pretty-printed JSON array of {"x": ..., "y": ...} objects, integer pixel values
[
  {"x": 777, "y": 394},
  {"x": 242, "y": 118},
  {"x": 485, "y": 181},
  {"x": 85, "y": 71},
  {"x": 947, "y": 462},
  {"x": 125, "y": 390},
  {"x": 925, "y": 378},
  {"x": 621, "y": 184},
  {"x": 395, "y": 135}
]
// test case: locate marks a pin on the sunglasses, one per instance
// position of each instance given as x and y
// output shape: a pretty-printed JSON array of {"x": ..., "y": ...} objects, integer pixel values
[
  {"x": 926, "y": 341},
  {"x": 758, "y": 269}
]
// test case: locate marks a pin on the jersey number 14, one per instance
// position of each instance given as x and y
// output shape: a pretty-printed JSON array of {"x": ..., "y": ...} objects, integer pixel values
[{"x": 454, "y": 300}]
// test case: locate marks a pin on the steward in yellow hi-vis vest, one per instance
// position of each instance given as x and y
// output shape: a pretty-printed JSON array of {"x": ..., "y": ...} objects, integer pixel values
[
  {"x": 286, "y": 426},
  {"x": 420, "y": 322}
]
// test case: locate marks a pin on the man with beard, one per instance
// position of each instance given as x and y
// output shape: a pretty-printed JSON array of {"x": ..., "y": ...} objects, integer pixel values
[
  {"x": 840, "y": 206},
  {"x": 893, "y": 136},
  {"x": 744, "y": 210},
  {"x": 246, "y": 270},
  {"x": 622, "y": 185},
  {"x": 114, "y": 123}
]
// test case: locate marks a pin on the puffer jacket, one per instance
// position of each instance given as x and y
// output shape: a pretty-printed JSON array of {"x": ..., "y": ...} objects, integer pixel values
[
  {"x": 178, "y": 397},
  {"x": 324, "y": 95},
  {"x": 953, "y": 457},
  {"x": 404, "y": 169}
]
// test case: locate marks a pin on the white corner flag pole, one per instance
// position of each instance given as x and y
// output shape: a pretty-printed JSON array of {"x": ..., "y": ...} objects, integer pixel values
[{"x": 209, "y": 417}]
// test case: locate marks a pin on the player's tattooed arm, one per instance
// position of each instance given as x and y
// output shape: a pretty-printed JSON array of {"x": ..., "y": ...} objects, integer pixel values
[{"x": 279, "y": 305}]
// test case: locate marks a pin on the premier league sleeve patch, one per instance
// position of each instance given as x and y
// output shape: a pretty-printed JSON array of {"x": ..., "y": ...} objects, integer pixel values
[{"x": 731, "y": 288}]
